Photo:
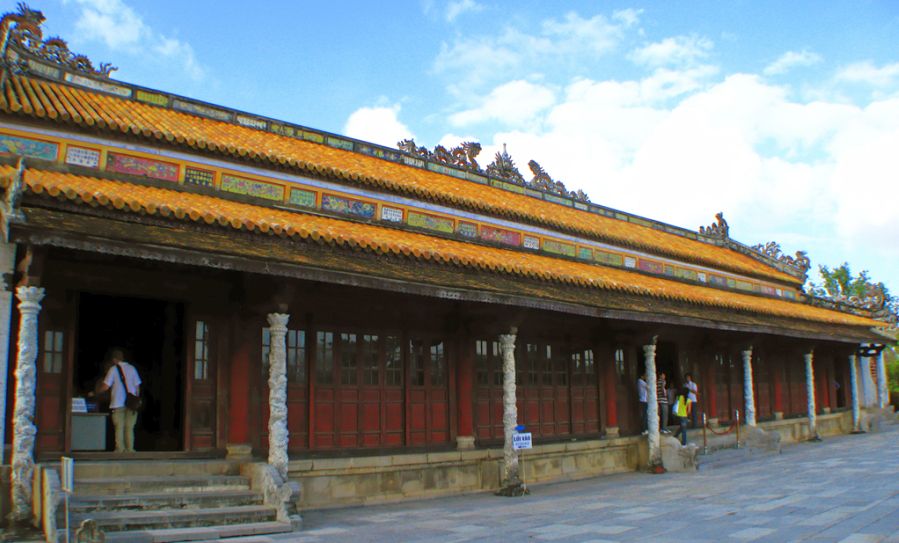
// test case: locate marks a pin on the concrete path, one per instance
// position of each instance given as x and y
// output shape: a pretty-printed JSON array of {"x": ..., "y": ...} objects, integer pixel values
[{"x": 844, "y": 489}]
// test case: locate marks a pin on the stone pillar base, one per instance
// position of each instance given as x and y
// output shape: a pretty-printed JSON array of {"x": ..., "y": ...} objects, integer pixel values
[
  {"x": 464, "y": 442},
  {"x": 712, "y": 421},
  {"x": 825, "y": 410},
  {"x": 778, "y": 415},
  {"x": 239, "y": 451},
  {"x": 613, "y": 431}
]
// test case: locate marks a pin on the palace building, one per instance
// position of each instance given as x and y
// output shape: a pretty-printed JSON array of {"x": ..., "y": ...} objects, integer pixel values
[{"x": 346, "y": 313}]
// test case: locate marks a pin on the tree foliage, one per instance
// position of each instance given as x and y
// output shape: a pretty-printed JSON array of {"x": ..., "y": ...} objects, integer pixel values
[{"x": 840, "y": 284}]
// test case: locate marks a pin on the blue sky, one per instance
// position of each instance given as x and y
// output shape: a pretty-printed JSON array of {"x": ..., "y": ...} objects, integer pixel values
[{"x": 783, "y": 115}]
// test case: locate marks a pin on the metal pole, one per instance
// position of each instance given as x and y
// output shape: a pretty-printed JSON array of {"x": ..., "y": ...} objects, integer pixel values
[{"x": 705, "y": 439}]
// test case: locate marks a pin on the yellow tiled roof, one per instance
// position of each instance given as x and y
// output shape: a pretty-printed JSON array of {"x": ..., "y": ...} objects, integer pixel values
[
  {"x": 199, "y": 208},
  {"x": 68, "y": 105}
]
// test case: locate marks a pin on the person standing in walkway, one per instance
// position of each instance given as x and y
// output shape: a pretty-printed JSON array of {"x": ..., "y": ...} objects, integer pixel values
[
  {"x": 693, "y": 396},
  {"x": 642, "y": 397},
  {"x": 662, "y": 395},
  {"x": 122, "y": 378},
  {"x": 682, "y": 408}
]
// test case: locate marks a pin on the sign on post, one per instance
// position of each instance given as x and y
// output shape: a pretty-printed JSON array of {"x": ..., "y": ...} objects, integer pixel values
[
  {"x": 67, "y": 475},
  {"x": 521, "y": 440}
]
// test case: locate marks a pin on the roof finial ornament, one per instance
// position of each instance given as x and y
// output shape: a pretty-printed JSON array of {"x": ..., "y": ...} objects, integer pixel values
[
  {"x": 718, "y": 229},
  {"x": 462, "y": 156},
  {"x": 21, "y": 30},
  {"x": 772, "y": 250},
  {"x": 503, "y": 167}
]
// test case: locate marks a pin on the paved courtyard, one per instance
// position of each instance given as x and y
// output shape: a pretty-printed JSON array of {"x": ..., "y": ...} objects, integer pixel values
[{"x": 843, "y": 489}]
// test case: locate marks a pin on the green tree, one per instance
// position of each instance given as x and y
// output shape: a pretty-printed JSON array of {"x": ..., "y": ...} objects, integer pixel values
[{"x": 840, "y": 284}]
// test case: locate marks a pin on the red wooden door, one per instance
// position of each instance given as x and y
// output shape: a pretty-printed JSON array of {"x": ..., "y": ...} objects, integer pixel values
[
  {"x": 629, "y": 416},
  {"x": 203, "y": 350},
  {"x": 52, "y": 394},
  {"x": 428, "y": 392},
  {"x": 584, "y": 393},
  {"x": 488, "y": 391},
  {"x": 527, "y": 373},
  {"x": 762, "y": 381}
]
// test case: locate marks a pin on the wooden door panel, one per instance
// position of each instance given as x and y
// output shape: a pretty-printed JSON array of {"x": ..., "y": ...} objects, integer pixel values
[{"x": 206, "y": 344}]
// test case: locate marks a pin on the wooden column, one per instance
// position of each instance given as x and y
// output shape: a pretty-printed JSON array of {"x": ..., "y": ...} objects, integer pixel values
[
  {"x": 465, "y": 391},
  {"x": 777, "y": 377},
  {"x": 711, "y": 392},
  {"x": 610, "y": 384},
  {"x": 239, "y": 392}
]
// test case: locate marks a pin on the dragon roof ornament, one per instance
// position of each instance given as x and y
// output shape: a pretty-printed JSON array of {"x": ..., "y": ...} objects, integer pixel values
[
  {"x": 502, "y": 167},
  {"x": 22, "y": 29},
  {"x": 718, "y": 229},
  {"x": 772, "y": 250}
]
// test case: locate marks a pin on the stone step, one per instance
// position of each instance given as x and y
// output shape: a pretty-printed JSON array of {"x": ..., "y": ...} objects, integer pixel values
[
  {"x": 206, "y": 533},
  {"x": 160, "y": 519},
  {"x": 151, "y": 484},
  {"x": 81, "y": 503},
  {"x": 89, "y": 469}
]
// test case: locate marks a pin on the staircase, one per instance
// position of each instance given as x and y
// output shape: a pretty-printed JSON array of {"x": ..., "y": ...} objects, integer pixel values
[{"x": 168, "y": 501}]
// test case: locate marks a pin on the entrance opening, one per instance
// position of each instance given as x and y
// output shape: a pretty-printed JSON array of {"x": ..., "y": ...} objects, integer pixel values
[{"x": 151, "y": 334}]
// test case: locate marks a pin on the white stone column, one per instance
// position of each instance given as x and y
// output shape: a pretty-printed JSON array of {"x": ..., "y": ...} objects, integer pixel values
[
  {"x": 748, "y": 393},
  {"x": 652, "y": 411},
  {"x": 7, "y": 266},
  {"x": 810, "y": 392},
  {"x": 883, "y": 395},
  {"x": 853, "y": 389},
  {"x": 278, "y": 436},
  {"x": 23, "y": 415},
  {"x": 511, "y": 476}
]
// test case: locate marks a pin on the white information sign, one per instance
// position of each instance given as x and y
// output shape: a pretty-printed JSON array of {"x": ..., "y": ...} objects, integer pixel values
[
  {"x": 521, "y": 440},
  {"x": 67, "y": 475},
  {"x": 79, "y": 405}
]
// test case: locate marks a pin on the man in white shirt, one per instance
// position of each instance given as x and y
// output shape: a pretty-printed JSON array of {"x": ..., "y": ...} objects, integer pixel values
[
  {"x": 123, "y": 418},
  {"x": 642, "y": 397},
  {"x": 692, "y": 396}
]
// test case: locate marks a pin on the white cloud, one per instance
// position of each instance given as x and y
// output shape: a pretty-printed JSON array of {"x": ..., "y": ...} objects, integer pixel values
[
  {"x": 120, "y": 28},
  {"x": 458, "y": 7},
  {"x": 516, "y": 103},
  {"x": 867, "y": 73},
  {"x": 676, "y": 51},
  {"x": 473, "y": 62},
  {"x": 811, "y": 174},
  {"x": 790, "y": 60},
  {"x": 377, "y": 125}
]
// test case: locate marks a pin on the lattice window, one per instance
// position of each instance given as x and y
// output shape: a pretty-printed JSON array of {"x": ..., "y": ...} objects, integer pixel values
[
  {"x": 620, "y": 367},
  {"x": 348, "y": 362},
  {"x": 438, "y": 364},
  {"x": 532, "y": 356},
  {"x": 201, "y": 351},
  {"x": 53, "y": 351},
  {"x": 371, "y": 367},
  {"x": 393, "y": 361},
  {"x": 296, "y": 354},
  {"x": 324, "y": 357}
]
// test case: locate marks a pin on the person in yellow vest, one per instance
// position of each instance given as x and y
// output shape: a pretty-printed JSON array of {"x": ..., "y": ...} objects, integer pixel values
[{"x": 681, "y": 409}]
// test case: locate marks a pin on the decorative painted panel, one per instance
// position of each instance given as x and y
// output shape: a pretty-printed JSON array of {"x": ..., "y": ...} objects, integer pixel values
[
  {"x": 630, "y": 262},
  {"x": 500, "y": 235},
  {"x": 250, "y": 122},
  {"x": 717, "y": 280},
  {"x": 651, "y": 266},
  {"x": 204, "y": 111},
  {"x": 146, "y": 167},
  {"x": 745, "y": 285},
  {"x": 467, "y": 229},
  {"x": 250, "y": 187},
  {"x": 101, "y": 86},
  {"x": 303, "y": 198},
  {"x": 608, "y": 258},
  {"x": 201, "y": 178},
  {"x": 79, "y": 156},
  {"x": 152, "y": 98},
  {"x": 28, "y": 147},
  {"x": 559, "y": 248},
  {"x": 349, "y": 206},
  {"x": 430, "y": 222},
  {"x": 391, "y": 214},
  {"x": 340, "y": 143},
  {"x": 531, "y": 242},
  {"x": 585, "y": 253}
]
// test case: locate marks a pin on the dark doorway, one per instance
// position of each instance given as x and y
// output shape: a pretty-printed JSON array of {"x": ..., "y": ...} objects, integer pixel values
[{"x": 151, "y": 334}]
